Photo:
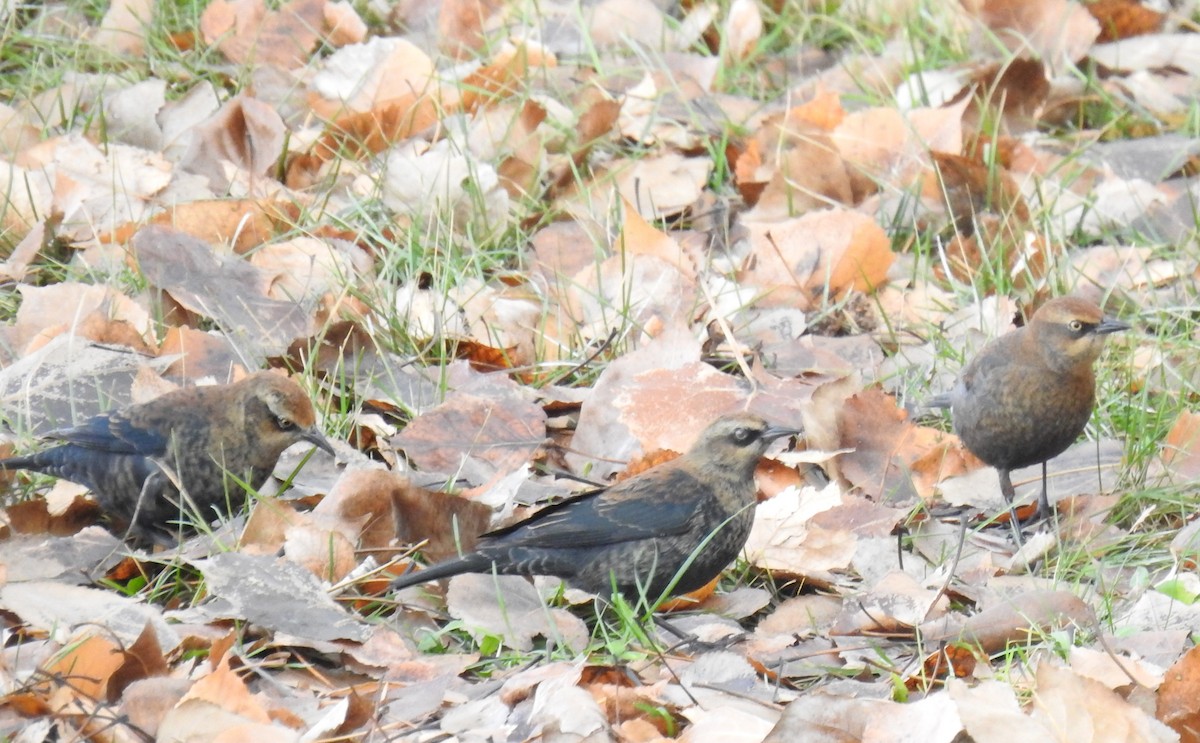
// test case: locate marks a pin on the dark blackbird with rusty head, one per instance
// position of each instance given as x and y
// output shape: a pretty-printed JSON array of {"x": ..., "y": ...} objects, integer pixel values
[
  {"x": 689, "y": 516},
  {"x": 1028, "y": 395},
  {"x": 205, "y": 439}
]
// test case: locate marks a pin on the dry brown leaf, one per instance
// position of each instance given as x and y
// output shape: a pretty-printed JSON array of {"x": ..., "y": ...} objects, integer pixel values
[
  {"x": 799, "y": 261},
  {"x": 229, "y": 290},
  {"x": 481, "y": 432},
  {"x": 648, "y": 291},
  {"x": 245, "y": 30},
  {"x": 892, "y": 459},
  {"x": 267, "y": 526},
  {"x": 344, "y": 26},
  {"x": 443, "y": 522},
  {"x": 213, "y": 704},
  {"x": 1057, "y": 31},
  {"x": 146, "y": 702},
  {"x": 123, "y": 28},
  {"x": 368, "y": 77},
  {"x": 663, "y": 186},
  {"x": 971, "y": 189},
  {"x": 896, "y": 603},
  {"x": 304, "y": 269},
  {"x": 462, "y": 25},
  {"x": 520, "y": 170},
  {"x": 200, "y": 354},
  {"x": 785, "y": 542},
  {"x": 1067, "y": 703},
  {"x": 321, "y": 547},
  {"x": 618, "y": 22},
  {"x": 596, "y": 122},
  {"x": 508, "y": 606},
  {"x": 143, "y": 659},
  {"x": 1017, "y": 90},
  {"x": 364, "y": 133},
  {"x": 667, "y": 408},
  {"x": 872, "y": 140},
  {"x": 991, "y": 713},
  {"x": 241, "y": 224},
  {"x": 92, "y": 311},
  {"x": 602, "y": 442},
  {"x": 743, "y": 28},
  {"x": 277, "y": 595},
  {"x": 33, "y": 516},
  {"x": 1177, "y": 697},
  {"x": 88, "y": 665},
  {"x": 811, "y": 175},
  {"x": 503, "y": 77},
  {"x": 639, "y": 237},
  {"x": 1179, "y": 459},
  {"x": 827, "y": 718},
  {"x": 246, "y": 133},
  {"x": 1013, "y": 620},
  {"x": 1121, "y": 19}
]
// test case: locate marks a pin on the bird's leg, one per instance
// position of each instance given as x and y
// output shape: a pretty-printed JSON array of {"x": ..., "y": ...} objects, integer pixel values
[
  {"x": 689, "y": 639},
  {"x": 1010, "y": 496},
  {"x": 1043, "y": 511}
]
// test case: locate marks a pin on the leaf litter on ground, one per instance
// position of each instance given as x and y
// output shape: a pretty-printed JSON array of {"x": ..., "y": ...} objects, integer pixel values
[{"x": 618, "y": 243}]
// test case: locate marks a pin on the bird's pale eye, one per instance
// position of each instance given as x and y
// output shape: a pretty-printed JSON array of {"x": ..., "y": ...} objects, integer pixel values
[
  {"x": 743, "y": 435},
  {"x": 1075, "y": 326}
]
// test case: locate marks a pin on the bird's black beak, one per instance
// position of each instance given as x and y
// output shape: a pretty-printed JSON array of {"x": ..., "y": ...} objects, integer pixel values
[
  {"x": 314, "y": 437},
  {"x": 1109, "y": 325},
  {"x": 778, "y": 432}
]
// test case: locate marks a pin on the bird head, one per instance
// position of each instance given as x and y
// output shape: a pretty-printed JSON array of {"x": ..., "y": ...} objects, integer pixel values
[
  {"x": 279, "y": 414},
  {"x": 736, "y": 442},
  {"x": 1070, "y": 332}
]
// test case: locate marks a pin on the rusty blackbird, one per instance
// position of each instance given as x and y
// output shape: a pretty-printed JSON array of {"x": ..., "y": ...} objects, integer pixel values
[
  {"x": 1028, "y": 394},
  {"x": 688, "y": 517},
  {"x": 205, "y": 439}
]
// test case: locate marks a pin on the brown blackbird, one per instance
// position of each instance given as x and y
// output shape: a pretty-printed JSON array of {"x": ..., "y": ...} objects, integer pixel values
[
  {"x": 1028, "y": 394},
  {"x": 205, "y": 439},
  {"x": 687, "y": 518}
]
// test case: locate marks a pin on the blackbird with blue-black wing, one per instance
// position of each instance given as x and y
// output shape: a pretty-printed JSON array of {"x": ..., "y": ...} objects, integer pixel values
[{"x": 638, "y": 534}]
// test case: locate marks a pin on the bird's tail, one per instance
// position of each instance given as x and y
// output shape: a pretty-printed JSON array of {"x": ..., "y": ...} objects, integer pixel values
[
  {"x": 943, "y": 400},
  {"x": 918, "y": 409},
  {"x": 21, "y": 463},
  {"x": 473, "y": 563}
]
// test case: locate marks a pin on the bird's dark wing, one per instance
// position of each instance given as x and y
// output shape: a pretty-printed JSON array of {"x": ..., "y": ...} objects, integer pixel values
[
  {"x": 114, "y": 433},
  {"x": 638, "y": 508},
  {"x": 997, "y": 358}
]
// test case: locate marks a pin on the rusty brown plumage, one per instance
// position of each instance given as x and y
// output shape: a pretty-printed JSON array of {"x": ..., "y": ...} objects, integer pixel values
[{"x": 1028, "y": 394}]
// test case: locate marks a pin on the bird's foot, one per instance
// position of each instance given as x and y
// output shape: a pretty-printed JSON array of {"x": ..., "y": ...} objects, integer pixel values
[{"x": 676, "y": 638}]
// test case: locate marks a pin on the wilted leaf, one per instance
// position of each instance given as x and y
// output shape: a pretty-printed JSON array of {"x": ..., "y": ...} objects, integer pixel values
[
  {"x": 227, "y": 289},
  {"x": 278, "y": 595},
  {"x": 508, "y": 607},
  {"x": 1057, "y": 31},
  {"x": 60, "y": 608},
  {"x": 72, "y": 559},
  {"x": 1013, "y": 620},
  {"x": 1064, "y": 701},
  {"x": 891, "y": 458},
  {"x": 784, "y": 542},
  {"x": 483, "y": 432},
  {"x": 1177, "y": 695},
  {"x": 66, "y": 381},
  {"x": 798, "y": 261},
  {"x": 244, "y": 30}
]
